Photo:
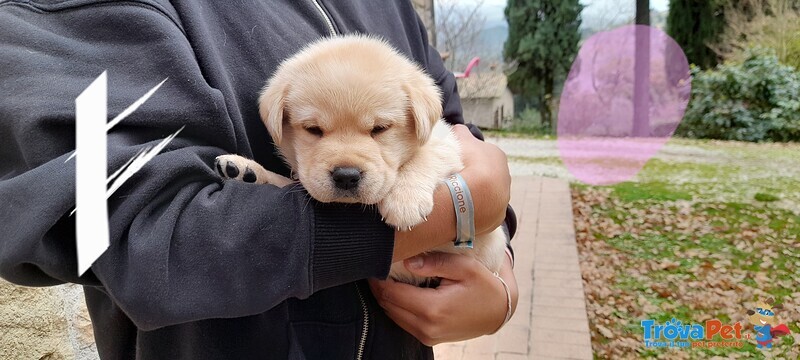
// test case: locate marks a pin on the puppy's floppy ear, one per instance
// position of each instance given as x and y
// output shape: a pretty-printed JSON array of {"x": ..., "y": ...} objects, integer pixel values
[
  {"x": 425, "y": 104},
  {"x": 750, "y": 312},
  {"x": 272, "y": 108}
]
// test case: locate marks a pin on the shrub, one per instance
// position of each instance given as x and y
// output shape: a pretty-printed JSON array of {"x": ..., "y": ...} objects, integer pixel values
[
  {"x": 529, "y": 122},
  {"x": 772, "y": 24},
  {"x": 756, "y": 100},
  {"x": 793, "y": 51},
  {"x": 763, "y": 197}
]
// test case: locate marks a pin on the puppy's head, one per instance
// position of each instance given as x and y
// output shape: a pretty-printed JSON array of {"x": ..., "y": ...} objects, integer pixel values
[{"x": 346, "y": 114}]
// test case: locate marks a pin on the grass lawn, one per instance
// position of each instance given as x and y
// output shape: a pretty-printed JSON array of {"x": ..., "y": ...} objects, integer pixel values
[{"x": 705, "y": 230}]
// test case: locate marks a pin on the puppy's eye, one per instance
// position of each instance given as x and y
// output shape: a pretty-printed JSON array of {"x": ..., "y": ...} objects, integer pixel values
[
  {"x": 377, "y": 130},
  {"x": 314, "y": 130}
]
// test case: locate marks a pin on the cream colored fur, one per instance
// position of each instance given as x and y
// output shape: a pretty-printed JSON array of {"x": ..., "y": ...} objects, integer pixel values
[{"x": 322, "y": 108}]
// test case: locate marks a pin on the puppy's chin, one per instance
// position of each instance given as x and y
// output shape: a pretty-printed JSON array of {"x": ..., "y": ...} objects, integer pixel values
[
  {"x": 370, "y": 192},
  {"x": 330, "y": 194},
  {"x": 347, "y": 200}
]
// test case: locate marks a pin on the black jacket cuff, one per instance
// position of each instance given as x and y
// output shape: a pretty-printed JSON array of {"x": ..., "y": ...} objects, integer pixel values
[{"x": 350, "y": 243}]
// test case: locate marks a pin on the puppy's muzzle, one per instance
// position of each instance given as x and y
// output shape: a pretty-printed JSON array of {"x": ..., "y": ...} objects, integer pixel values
[{"x": 346, "y": 178}]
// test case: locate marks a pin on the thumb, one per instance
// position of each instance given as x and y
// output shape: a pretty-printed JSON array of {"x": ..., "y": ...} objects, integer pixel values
[
  {"x": 463, "y": 133},
  {"x": 444, "y": 265}
]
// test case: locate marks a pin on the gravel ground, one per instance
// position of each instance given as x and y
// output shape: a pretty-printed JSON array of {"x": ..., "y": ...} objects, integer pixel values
[
  {"x": 722, "y": 171},
  {"x": 528, "y": 156}
]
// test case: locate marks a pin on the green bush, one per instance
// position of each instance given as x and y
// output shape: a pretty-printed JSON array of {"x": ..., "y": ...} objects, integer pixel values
[
  {"x": 763, "y": 197},
  {"x": 529, "y": 122},
  {"x": 757, "y": 99}
]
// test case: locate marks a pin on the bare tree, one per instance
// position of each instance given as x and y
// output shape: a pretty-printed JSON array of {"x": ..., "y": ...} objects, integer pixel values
[
  {"x": 641, "y": 87},
  {"x": 774, "y": 24},
  {"x": 606, "y": 15},
  {"x": 458, "y": 28}
]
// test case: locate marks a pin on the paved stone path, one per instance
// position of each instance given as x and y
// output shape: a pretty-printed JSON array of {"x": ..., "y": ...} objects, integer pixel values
[{"x": 550, "y": 321}]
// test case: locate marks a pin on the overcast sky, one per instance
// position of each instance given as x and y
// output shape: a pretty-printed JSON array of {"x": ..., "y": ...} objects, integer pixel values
[{"x": 493, "y": 9}]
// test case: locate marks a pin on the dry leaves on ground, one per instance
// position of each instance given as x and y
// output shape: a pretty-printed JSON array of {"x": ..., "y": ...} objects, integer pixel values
[{"x": 690, "y": 260}]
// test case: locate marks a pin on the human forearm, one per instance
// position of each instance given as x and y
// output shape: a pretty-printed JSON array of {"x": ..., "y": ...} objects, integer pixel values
[
  {"x": 487, "y": 176},
  {"x": 438, "y": 230},
  {"x": 441, "y": 225}
]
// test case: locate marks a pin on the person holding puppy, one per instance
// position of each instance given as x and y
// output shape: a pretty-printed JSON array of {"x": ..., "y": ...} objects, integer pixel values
[{"x": 204, "y": 269}]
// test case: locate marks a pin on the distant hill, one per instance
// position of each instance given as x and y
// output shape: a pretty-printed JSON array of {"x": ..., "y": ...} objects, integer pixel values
[
  {"x": 493, "y": 39},
  {"x": 494, "y": 35},
  {"x": 658, "y": 20}
]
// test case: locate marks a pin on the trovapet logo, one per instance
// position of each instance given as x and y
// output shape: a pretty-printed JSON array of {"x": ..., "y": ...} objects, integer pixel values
[
  {"x": 675, "y": 334},
  {"x": 92, "y": 183},
  {"x": 714, "y": 333}
]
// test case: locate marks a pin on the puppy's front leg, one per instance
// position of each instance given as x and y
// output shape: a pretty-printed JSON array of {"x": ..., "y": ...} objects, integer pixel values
[
  {"x": 411, "y": 199},
  {"x": 240, "y": 168}
]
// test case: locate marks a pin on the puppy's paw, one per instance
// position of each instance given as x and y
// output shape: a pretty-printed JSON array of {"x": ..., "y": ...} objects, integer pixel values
[
  {"x": 406, "y": 208},
  {"x": 237, "y": 168}
]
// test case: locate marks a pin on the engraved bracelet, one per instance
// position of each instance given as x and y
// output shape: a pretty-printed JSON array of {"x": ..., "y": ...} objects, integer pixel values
[{"x": 465, "y": 211}]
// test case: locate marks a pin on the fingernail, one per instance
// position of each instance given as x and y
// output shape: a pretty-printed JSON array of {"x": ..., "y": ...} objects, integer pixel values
[{"x": 415, "y": 262}]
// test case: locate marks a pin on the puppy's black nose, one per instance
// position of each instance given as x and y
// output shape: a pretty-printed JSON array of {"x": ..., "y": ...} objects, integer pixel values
[{"x": 346, "y": 178}]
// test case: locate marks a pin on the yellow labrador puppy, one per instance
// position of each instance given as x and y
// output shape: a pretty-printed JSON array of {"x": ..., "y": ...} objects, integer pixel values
[{"x": 360, "y": 123}]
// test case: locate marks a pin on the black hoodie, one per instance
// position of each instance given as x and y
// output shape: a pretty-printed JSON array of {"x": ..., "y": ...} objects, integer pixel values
[{"x": 198, "y": 268}]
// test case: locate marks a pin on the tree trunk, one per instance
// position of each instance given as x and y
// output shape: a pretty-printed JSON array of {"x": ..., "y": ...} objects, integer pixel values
[
  {"x": 642, "y": 12},
  {"x": 641, "y": 85}
]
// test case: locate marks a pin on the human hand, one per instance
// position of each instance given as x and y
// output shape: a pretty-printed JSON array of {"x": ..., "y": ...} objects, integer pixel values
[
  {"x": 488, "y": 177},
  {"x": 468, "y": 303}
]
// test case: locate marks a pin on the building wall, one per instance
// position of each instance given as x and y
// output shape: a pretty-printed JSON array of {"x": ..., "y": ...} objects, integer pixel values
[
  {"x": 479, "y": 112},
  {"x": 425, "y": 9},
  {"x": 494, "y": 113},
  {"x": 506, "y": 103}
]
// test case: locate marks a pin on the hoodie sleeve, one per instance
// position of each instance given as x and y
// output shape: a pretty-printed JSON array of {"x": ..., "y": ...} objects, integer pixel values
[{"x": 185, "y": 245}]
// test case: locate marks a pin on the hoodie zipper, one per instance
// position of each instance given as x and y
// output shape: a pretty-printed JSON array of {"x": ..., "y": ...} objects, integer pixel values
[
  {"x": 365, "y": 329},
  {"x": 328, "y": 20}
]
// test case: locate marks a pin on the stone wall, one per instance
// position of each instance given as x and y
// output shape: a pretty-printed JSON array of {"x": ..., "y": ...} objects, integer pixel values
[
  {"x": 45, "y": 323},
  {"x": 425, "y": 9}
]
